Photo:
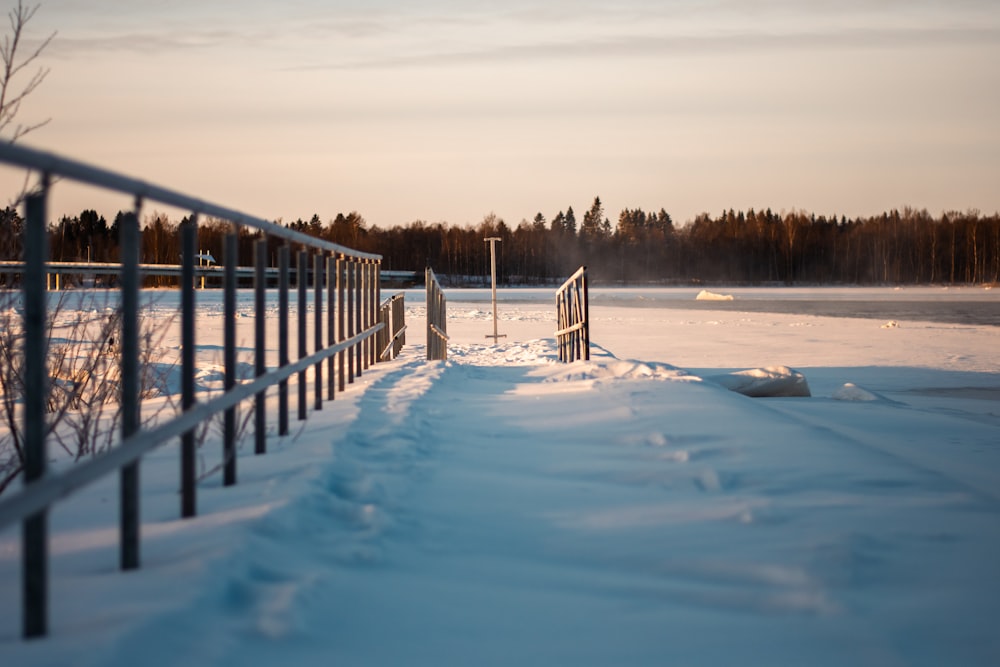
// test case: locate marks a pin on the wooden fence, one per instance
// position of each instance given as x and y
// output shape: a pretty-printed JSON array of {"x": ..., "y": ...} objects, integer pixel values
[
  {"x": 437, "y": 320},
  {"x": 392, "y": 337},
  {"x": 573, "y": 315},
  {"x": 350, "y": 307}
]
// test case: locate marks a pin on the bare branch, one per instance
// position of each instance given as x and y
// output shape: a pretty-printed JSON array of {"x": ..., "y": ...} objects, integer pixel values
[{"x": 12, "y": 63}]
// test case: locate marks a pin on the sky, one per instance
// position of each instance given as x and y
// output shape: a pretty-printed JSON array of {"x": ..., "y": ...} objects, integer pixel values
[{"x": 447, "y": 111}]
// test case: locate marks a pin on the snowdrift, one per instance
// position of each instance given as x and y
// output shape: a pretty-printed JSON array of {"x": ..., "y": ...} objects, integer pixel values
[{"x": 773, "y": 381}]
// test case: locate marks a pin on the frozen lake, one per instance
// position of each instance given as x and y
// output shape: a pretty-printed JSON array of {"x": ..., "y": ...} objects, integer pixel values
[{"x": 959, "y": 305}]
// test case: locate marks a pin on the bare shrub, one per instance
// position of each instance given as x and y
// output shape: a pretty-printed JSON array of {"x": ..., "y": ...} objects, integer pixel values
[
  {"x": 214, "y": 428},
  {"x": 84, "y": 408}
]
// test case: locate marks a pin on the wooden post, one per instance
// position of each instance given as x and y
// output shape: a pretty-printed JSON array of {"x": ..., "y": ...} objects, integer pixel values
[{"x": 493, "y": 240}]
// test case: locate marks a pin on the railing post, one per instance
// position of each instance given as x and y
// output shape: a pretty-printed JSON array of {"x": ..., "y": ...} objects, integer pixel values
[
  {"x": 231, "y": 259},
  {"x": 429, "y": 301},
  {"x": 303, "y": 258},
  {"x": 349, "y": 268},
  {"x": 331, "y": 324},
  {"x": 260, "y": 364},
  {"x": 560, "y": 324},
  {"x": 586, "y": 317},
  {"x": 35, "y": 556},
  {"x": 318, "y": 263},
  {"x": 358, "y": 310},
  {"x": 284, "y": 358},
  {"x": 189, "y": 238},
  {"x": 129, "y": 525},
  {"x": 341, "y": 320},
  {"x": 399, "y": 319},
  {"x": 363, "y": 305},
  {"x": 376, "y": 301}
]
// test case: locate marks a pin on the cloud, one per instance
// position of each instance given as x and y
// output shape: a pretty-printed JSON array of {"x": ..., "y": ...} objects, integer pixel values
[{"x": 637, "y": 46}]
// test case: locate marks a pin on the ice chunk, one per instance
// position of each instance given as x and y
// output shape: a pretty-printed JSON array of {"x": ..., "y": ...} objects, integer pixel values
[
  {"x": 765, "y": 382},
  {"x": 705, "y": 295}
]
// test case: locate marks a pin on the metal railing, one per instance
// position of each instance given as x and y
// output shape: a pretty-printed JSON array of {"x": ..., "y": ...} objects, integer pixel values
[
  {"x": 573, "y": 318},
  {"x": 352, "y": 322},
  {"x": 437, "y": 319}
]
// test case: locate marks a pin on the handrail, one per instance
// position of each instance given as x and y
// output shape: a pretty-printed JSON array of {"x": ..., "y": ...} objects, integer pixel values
[
  {"x": 51, "y": 164},
  {"x": 573, "y": 315},
  {"x": 437, "y": 319},
  {"x": 352, "y": 324},
  {"x": 35, "y": 497}
]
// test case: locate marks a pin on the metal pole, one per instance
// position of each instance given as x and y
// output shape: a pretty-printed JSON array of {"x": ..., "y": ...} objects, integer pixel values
[
  {"x": 358, "y": 310},
  {"x": 189, "y": 236},
  {"x": 331, "y": 324},
  {"x": 318, "y": 262},
  {"x": 284, "y": 264},
  {"x": 130, "y": 388},
  {"x": 492, "y": 240},
  {"x": 341, "y": 320},
  {"x": 260, "y": 365},
  {"x": 373, "y": 305},
  {"x": 34, "y": 544},
  {"x": 231, "y": 258},
  {"x": 349, "y": 267},
  {"x": 303, "y": 258}
]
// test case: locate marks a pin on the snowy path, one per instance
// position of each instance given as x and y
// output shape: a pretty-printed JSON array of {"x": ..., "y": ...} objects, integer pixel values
[{"x": 611, "y": 513}]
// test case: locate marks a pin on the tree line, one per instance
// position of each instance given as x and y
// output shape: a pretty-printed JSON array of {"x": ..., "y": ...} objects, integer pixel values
[{"x": 906, "y": 246}]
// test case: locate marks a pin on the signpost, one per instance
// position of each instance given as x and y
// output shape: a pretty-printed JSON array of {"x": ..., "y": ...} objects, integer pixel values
[{"x": 492, "y": 240}]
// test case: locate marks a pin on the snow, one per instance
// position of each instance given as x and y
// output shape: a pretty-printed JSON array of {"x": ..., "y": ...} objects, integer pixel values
[
  {"x": 705, "y": 295},
  {"x": 501, "y": 508},
  {"x": 774, "y": 381},
  {"x": 852, "y": 392}
]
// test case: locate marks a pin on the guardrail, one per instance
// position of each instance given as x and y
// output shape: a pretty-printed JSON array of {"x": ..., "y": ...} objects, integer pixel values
[
  {"x": 352, "y": 306},
  {"x": 437, "y": 319},
  {"x": 573, "y": 315}
]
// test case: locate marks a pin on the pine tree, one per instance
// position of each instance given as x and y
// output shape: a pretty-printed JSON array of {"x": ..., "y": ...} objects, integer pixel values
[
  {"x": 569, "y": 223},
  {"x": 591, "y": 229}
]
